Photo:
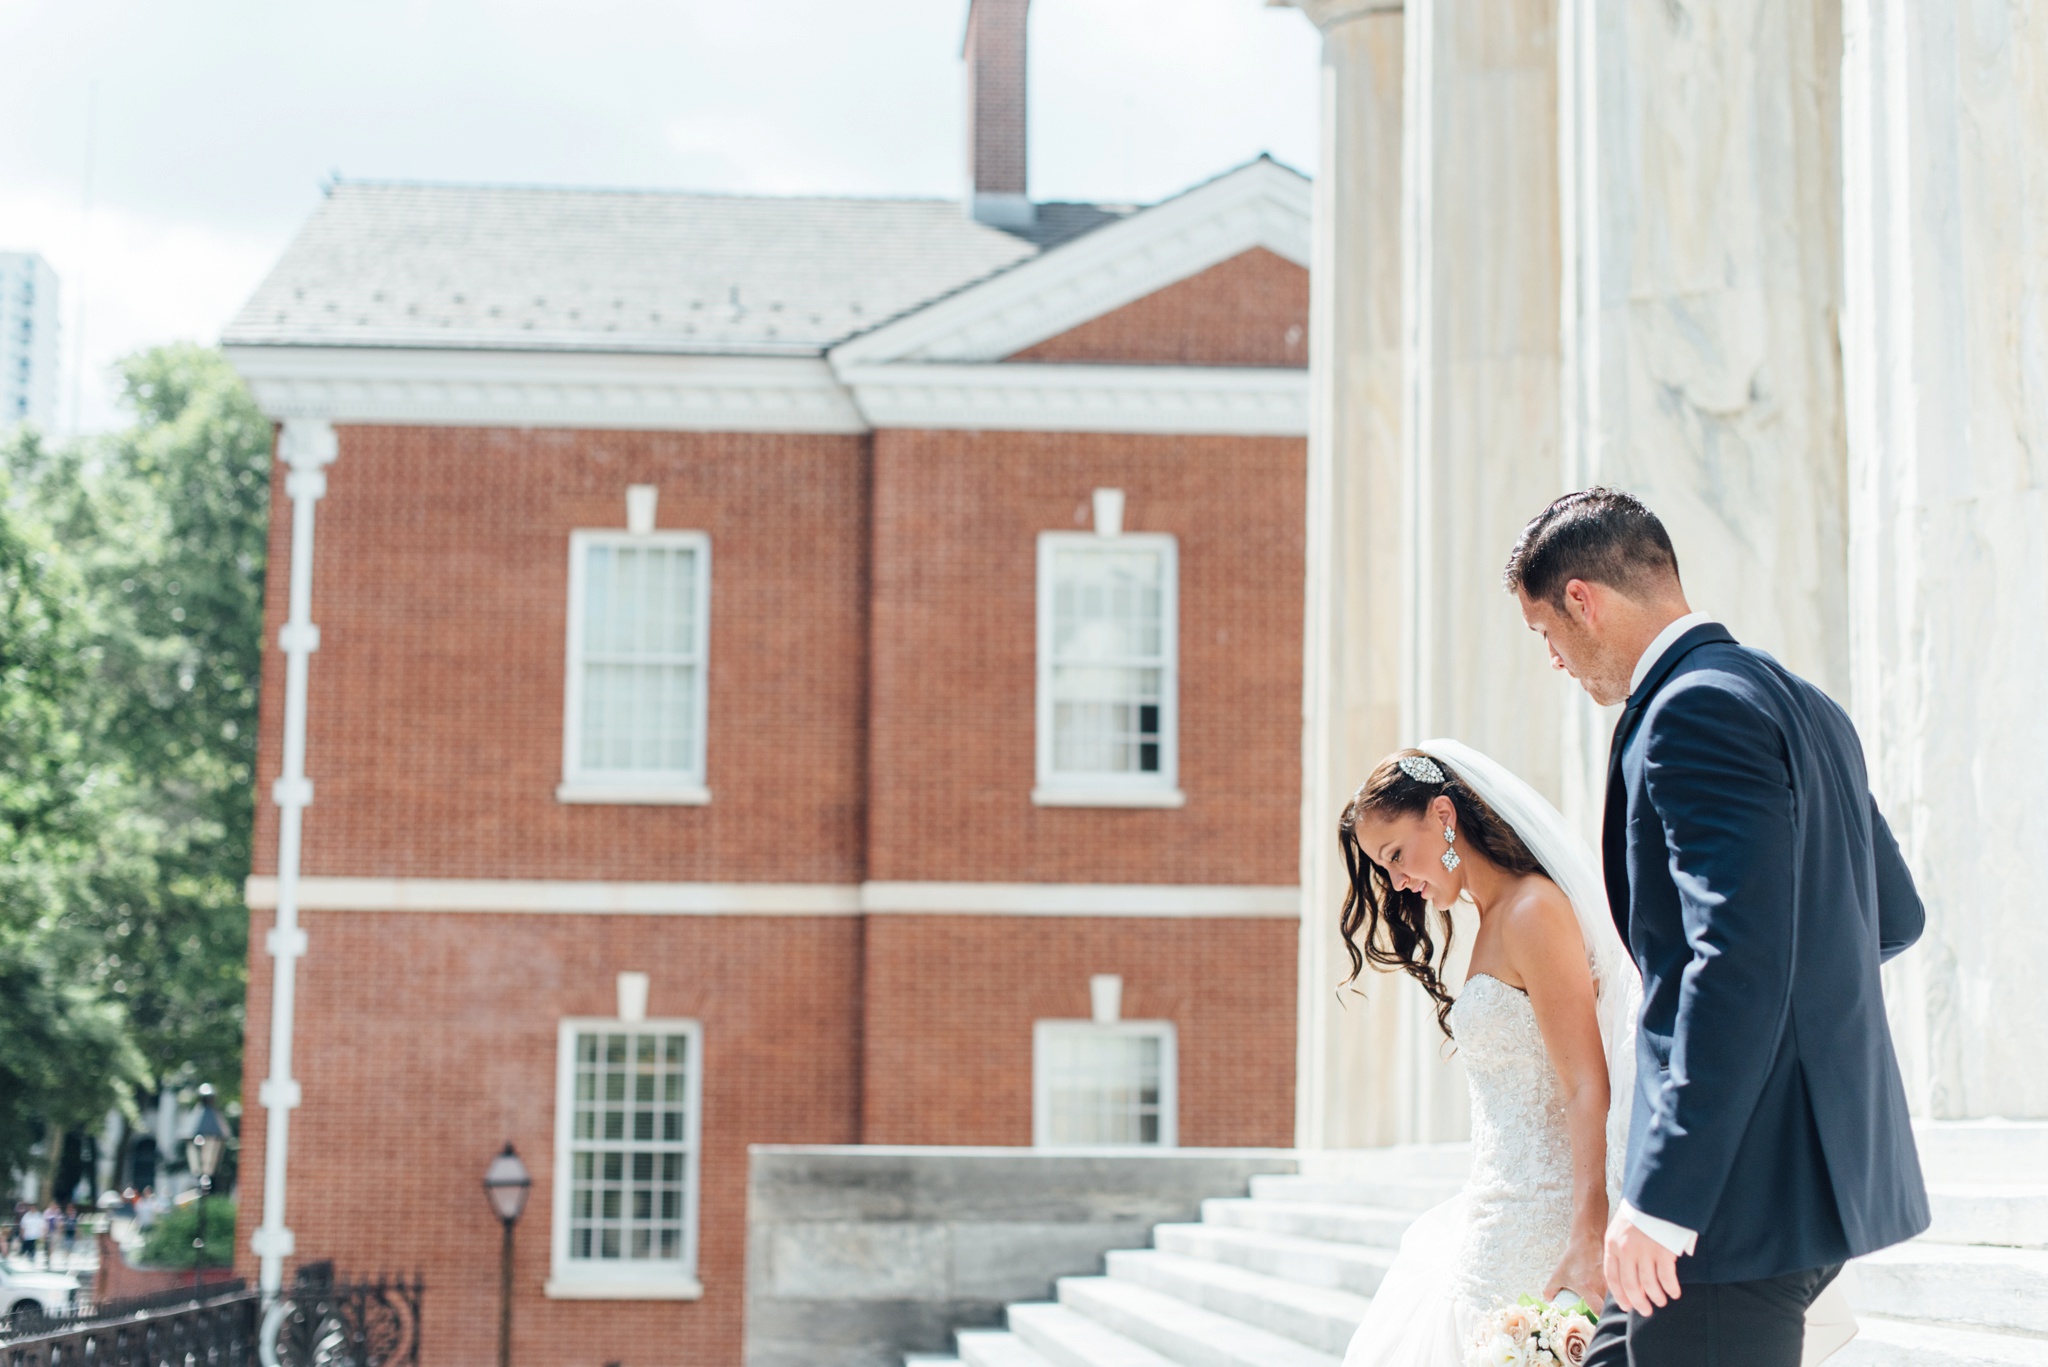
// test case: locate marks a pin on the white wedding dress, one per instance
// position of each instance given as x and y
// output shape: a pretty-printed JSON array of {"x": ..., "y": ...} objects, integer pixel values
[{"x": 1504, "y": 1234}]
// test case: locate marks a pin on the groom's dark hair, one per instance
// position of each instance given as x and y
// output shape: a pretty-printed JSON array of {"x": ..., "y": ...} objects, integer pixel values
[{"x": 1602, "y": 536}]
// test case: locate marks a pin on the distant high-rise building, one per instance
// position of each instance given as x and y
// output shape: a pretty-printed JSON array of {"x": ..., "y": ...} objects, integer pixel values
[{"x": 28, "y": 340}]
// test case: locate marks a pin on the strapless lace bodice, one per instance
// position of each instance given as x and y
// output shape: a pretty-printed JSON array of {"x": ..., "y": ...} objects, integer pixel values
[{"x": 1519, "y": 1195}]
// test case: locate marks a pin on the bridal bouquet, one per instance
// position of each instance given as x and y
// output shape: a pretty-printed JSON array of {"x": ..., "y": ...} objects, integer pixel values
[{"x": 1530, "y": 1333}]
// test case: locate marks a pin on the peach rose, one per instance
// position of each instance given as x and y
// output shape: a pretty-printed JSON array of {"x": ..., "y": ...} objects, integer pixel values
[
  {"x": 1573, "y": 1342},
  {"x": 1517, "y": 1322}
]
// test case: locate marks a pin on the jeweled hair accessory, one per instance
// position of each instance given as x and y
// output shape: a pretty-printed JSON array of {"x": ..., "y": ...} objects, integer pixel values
[{"x": 1422, "y": 769}]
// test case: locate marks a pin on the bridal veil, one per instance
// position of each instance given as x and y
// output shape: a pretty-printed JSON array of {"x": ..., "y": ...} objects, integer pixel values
[{"x": 1568, "y": 860}]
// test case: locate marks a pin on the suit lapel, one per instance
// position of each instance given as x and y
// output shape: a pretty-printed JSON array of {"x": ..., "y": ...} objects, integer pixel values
[{"x": 1614, "y": 823}]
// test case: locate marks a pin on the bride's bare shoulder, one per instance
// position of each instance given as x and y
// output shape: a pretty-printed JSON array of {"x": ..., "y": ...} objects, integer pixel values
[{"x": 1537, "y": 913}]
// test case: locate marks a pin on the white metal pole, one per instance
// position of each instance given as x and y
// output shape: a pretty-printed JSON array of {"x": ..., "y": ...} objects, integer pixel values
[{"x": 307, "y": 447}]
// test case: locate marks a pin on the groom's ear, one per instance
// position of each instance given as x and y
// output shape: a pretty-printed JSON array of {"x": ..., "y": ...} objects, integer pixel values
[{"x": 1582, "y": 602}]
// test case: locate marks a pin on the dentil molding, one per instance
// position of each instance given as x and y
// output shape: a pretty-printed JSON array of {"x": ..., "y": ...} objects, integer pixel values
[
  {"x": 314, "y": 387},
  {"x": 1028, "y": 396},
  {"x": 546, "y": 389}
]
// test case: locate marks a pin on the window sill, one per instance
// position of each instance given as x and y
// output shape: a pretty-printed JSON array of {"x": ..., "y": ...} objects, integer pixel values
[
  {"x": 583, "y": 1286},
  {"x": 625, "y": 795},
  {"x": 1108, "y": 797}
]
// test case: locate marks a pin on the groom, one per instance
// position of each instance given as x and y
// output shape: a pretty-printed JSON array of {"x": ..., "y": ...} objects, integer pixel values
[{"x": 1759, "y": 889}]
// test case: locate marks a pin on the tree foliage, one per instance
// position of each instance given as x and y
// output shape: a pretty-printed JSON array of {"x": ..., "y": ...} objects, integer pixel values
[
  {"x": 137, "y": 619},
  {"x": 61, "y": 1052},
  {"x": 169, "y": 1241}
]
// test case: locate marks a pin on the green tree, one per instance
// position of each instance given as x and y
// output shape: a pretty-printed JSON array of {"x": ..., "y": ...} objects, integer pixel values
[
  {"x": 182, "y": 508},
  {"x": 62, "y": 1049},
  {"x": 129, "y": 662},
  {"x": 169, "y": 1242}
]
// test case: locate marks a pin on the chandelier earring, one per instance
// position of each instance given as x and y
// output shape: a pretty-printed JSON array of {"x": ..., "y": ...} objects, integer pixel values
[{"x": 1450, "y": 855}]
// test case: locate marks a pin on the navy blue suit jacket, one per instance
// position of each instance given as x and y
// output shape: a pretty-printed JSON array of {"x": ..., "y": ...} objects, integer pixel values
[{"x": 1759, "y": 889}]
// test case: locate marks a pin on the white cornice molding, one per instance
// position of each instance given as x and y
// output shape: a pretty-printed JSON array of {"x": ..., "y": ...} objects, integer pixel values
[
  {"x": 421, "y": 387},
  {"x": 1028, "y": 396},
  {"x": 1260, "y": 205},
  {"x": 600, "y": 898},
  {"x": 1324, "y": 14},
  {"x": 1080, "y": 899},
  {"x": 586, "y": 897}
]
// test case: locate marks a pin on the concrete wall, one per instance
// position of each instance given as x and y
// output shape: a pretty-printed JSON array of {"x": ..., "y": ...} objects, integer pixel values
[{"x": 858, "y": 1255}]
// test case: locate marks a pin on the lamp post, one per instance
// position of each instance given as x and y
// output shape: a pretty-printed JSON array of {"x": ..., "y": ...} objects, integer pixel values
[
  {"x": 203, "y": 1154},
  {"x": 506, "y": 1183}
]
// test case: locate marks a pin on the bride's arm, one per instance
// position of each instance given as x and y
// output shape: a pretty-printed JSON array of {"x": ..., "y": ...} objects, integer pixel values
[{"x": 1541, "y": 936}]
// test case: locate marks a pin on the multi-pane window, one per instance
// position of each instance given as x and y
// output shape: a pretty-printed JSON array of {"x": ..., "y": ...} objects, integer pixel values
[
  {"x": 626, "y": 1204},
  {"x": 1097, "y": 1084},
  {"x": 1107, "y": 686},
  {"x": 638, "y": 632}
]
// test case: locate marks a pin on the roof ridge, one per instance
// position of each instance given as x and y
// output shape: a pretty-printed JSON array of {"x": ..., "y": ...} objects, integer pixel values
[{"x": 651, "y": 192}]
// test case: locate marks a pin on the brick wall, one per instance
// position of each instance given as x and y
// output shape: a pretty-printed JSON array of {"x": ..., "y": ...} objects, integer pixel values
[
  {"x": 1251, "y": 310},
  {"x": 871, "y": 699},
  {"x": 424, "y": 1042},
  {"x": 951, "y": 1001},
  {"x": 953, "y": 759},
  {"x": 995, "y": 52},
  {"x": 435, "y": 703}
]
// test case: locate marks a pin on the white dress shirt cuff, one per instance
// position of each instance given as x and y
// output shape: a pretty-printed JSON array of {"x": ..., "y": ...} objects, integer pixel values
[{"x": 1677, "y": 1238}]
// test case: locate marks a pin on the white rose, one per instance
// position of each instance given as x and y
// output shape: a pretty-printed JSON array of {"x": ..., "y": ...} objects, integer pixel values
[{"x": 1502, "y": 1351}]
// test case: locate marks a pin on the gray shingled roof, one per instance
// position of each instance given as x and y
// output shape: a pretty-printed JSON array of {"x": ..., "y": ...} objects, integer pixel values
[{"x": 383, "y": 264}]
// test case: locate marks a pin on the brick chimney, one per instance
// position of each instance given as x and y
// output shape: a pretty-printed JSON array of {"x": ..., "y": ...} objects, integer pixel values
[{"x": 994, "y": 52}]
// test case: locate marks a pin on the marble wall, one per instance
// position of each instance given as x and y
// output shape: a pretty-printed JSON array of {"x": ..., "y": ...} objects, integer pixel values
[
  {"x": 1353, "y": 674},
  {"x": 1779, "y": 266},
  {"x": 1703, "y": 242},
  {"x": 1945, "y": 338}
]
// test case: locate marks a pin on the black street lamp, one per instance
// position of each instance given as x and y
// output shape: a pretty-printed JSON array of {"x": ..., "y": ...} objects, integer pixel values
[
  {"x": 203, "y": 1154},
  {"x": 506, "y": 1183}
]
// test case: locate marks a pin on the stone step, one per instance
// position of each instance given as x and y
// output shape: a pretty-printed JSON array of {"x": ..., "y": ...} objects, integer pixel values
[
  {"x": 1411, "y": 1194},
  {"x": 1316, "y": 1317},
  {"x": 995, "y": 1348},
  {"x": 1983, "y": 1288},
  {"x": 1184, "y": 1334},
  {"x": 1901, "y": 1343},
  {"x": 1368, "y": 1225},
  {"x": 2009, "y": 1213},
  {"x": 1983, "y": 1150},
  {"x": 1400, "y": 1163},
  {"x": 1067, "y": 1339},
  {"x": 1305, "y": 1262}
]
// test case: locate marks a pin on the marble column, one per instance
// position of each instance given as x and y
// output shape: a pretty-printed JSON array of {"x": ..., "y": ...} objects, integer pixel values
[
  {"x": 1945, "y": 340},
  {"x": 1481, "y": 424},
  {"x": 1351, "y": 676},
  {"x": 1701, "y": 176},
  {"x": 1436, "y": 434}
]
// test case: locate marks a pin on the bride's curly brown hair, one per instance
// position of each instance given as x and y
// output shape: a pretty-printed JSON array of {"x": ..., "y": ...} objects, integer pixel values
[{"x": 1389, "y": 927}]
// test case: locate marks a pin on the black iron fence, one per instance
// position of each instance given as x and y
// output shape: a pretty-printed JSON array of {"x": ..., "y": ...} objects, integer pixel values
[
  {"x": 344, "y": 1324},
  {"x": 318, "y": 1323}
]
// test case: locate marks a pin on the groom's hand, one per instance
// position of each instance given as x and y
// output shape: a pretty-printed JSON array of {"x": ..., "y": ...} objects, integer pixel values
[{"x": 1642, "y": 1274}]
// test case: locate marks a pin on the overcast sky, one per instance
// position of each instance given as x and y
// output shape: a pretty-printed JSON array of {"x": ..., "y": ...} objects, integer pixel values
[{"x": 160, "y": 155}]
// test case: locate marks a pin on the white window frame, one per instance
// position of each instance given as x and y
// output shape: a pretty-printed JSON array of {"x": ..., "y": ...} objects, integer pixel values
[
  {"x": 1169, "y": 1079},
  {"x": 1161, "y": 789},
  {"x": 618, "y": 1279},
  {"x": 610, "y": 786}
]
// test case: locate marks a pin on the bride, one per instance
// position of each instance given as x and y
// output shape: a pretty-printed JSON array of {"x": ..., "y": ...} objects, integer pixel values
[{"x": 1545, "y": 1024}]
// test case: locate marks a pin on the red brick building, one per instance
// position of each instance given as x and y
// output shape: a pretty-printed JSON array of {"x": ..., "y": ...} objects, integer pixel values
[{"x": 774, "y": 671}]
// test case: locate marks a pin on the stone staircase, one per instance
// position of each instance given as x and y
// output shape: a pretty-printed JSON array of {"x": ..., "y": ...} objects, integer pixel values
[{"x": 1281, "y": 1278}]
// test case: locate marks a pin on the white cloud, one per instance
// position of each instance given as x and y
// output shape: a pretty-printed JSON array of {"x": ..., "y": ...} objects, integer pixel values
[
  {"x": 217, "y": 122},
  {"x": 142, "y": 280}
]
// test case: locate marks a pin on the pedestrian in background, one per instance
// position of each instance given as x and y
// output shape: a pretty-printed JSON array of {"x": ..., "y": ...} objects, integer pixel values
[{"x": 33, "y": 1228}]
